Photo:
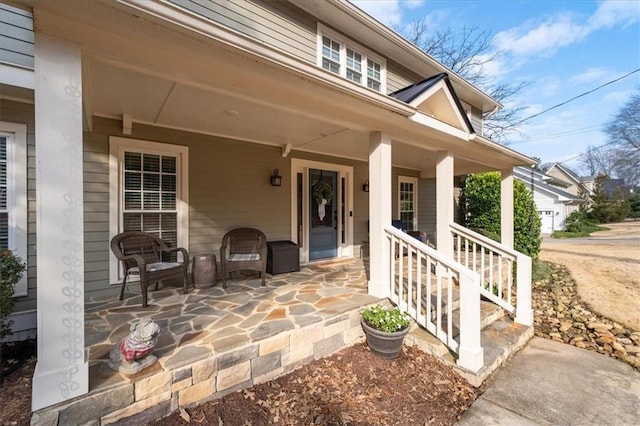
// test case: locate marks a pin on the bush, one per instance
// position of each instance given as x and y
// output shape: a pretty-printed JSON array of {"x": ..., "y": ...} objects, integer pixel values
[
  {"x": 481, "y": 211},
  {"x": 634, "y": 206},
  {"x": 578, "y": 225},
  {"x": 11, "y": 269}
]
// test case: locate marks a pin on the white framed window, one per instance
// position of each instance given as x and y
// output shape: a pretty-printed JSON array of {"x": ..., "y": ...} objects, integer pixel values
[
  {"x": 13, "y": 194},
  {"x": 408, "y": 202},
  {"x": 343, "y": 57},
  {"x": 148, "y": 192}
]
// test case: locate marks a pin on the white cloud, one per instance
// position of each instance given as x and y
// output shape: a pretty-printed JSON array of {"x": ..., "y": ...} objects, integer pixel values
[
  {"x": 546, "y": 37},
  {"x": 615, "y": 13},
  {"x": 619, "y": 97},
  {"x": 596, "y": 74},
  {"x": 543, "y": 39},
  {"x": 386, "y": 11}
]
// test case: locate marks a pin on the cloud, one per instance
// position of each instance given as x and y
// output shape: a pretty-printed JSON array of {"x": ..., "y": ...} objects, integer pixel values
[
  {"x": 615, "y": 13},
  {"x": 386, "y": 11},
  {"x": 596, "y": 74},
  {"x": 544, "y": 38}
]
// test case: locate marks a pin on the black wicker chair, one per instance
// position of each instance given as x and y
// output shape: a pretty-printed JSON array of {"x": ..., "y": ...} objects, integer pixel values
[
  {"x": 141, "y": 254},
  {"x": 243, "y": 249}
]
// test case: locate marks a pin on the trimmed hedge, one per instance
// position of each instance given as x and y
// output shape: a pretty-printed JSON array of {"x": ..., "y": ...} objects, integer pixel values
[{"x": 480, "y": 203}]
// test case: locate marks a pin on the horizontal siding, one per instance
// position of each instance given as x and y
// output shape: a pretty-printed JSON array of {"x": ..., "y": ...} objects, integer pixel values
[
  {"x": 399, "y": 77},
  {"x": 427, "y": 207},
  {"x": 22, "y": 113},
  {"x": 16, "y": 36},
  {"x": 476, "y": 119},
  {"x": 273, "y": 22}
]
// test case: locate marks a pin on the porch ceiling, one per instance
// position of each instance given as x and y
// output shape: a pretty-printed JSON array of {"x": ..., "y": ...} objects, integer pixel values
[
  {"x": 112, "y": 91},
  {"x": 217, "y": 83}
]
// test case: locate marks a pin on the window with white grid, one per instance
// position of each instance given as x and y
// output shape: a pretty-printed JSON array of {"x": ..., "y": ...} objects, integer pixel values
[
  {"x": 148, "y": 185},
  {"x": 347, "y": 59},
  {"x": 13, "y": 195}
]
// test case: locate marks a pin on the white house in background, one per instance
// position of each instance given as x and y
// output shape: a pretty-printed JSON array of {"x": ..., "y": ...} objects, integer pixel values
[
  {"x": 573, "y": 182},
  {"x": 553, "y": 203}
]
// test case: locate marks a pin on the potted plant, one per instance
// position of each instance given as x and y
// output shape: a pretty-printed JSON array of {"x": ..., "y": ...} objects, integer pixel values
[{"x": 385, "y": 329}]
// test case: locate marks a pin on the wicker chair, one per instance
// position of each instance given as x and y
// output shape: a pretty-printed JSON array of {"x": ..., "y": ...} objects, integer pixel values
[
  {"x": 243, "y": 249},
  {"x": 141, "y": 254}
]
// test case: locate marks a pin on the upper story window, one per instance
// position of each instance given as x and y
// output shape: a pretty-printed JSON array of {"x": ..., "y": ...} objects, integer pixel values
[{"x": 341, "y": 56}]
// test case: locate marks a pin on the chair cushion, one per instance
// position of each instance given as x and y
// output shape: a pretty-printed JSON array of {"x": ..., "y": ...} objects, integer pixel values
[
  {"x": 154, "y": 267},
  {"x": 240, "y": 257}
]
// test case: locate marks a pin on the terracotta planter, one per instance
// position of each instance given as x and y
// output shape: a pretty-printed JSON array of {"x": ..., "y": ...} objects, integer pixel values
[{"x": 386, "y": 345}]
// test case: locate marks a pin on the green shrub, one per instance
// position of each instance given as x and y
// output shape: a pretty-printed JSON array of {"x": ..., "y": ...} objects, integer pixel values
[
  {"x": 480, "y": 203},
  {"x": 11, "y": 269},
  {"x": 634, "y": 206}
]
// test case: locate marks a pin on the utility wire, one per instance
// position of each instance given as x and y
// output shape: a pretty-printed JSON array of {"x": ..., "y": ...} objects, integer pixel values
[
  {"x": 585, "y": 153},
  {"x": 576, "y": 97}
]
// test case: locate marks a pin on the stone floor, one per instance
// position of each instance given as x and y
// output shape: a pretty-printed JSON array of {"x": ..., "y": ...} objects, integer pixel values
[{"x": 204, "y": 321}]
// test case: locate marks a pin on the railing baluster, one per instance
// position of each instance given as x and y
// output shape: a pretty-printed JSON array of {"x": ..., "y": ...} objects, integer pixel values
[
  {"x": 500, "y": 283},
  {"x": 449, "y": 309},
  {"x": 410, "y": 284},
  {"x": 510, "y": 281},
  {"x": 419, "y": 286}
]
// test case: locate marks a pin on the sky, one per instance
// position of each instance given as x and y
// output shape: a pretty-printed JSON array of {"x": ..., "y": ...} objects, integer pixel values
[{"x": 561, "y": 49}]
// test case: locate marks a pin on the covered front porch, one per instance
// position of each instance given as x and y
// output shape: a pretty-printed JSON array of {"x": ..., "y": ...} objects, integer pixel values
[{"x": 229, "y": 118}]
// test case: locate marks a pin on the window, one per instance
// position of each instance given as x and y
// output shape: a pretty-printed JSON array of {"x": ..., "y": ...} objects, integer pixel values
[
  {"x": 408, "y": 202},
  {"x": 146, "y": 181},
  {"x": 345, "y": 58},
  {"x": 13, "y": 194}
]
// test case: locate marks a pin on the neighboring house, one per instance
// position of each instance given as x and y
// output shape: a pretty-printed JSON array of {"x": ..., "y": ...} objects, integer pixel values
[
  {"x": 613, "y": 188},
  {"x": 171, "y": 116},
  {"x": 574, "y": 184},
  {"x": 552, "y": 203}
]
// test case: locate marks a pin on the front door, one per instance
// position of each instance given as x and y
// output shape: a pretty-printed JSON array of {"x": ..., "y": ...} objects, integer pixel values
[{"x": 323, "y": 214}]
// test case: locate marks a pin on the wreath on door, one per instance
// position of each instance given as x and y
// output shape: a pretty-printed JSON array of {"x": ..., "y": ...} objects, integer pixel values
[{"x": 322, "y": 190}]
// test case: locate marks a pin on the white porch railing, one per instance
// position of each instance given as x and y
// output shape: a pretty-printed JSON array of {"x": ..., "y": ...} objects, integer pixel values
[
  {"x": 495, "y": 263},
  {"x": 422, "y": 283}
]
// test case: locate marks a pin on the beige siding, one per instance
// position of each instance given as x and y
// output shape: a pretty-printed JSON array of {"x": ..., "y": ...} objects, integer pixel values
[
  {"x": 228, "y": 188},
  {"x": 16, "y": 36},
  {"x": 274, "y": 22},
  {"x": 476, "y": 120},
  {"x": 22, "y": 113},
  {"x": 399, "y": 77}
]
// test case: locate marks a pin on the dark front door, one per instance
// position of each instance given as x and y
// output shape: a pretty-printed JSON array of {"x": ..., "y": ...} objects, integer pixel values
[{"x": 323, "y": 214}]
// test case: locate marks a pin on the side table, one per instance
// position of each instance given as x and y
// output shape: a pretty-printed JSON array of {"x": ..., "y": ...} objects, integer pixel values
[{"x": 203, "y": 270}]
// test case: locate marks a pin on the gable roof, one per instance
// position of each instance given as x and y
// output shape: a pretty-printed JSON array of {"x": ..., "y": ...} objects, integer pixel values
[
  {"x": 568, "y": 172},
  {"x": 523, "y": 174},
  {"x": 422, "y": 94}
]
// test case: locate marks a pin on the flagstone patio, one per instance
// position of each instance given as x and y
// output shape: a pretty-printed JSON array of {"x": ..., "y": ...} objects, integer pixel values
[{"x": 215, "y": 341}]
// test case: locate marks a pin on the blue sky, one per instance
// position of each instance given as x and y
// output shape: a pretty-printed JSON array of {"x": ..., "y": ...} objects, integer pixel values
[{"x": 562, "y": 48}]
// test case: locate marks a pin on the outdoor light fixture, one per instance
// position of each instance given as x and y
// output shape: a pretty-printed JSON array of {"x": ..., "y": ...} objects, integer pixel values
[
  {"x": 276, "y": 179},
  {"x": 365, "y": 186}
]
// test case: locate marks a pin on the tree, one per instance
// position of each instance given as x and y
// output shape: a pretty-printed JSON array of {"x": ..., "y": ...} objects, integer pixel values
[
  {"x": 606, "y": 209},
  {"x": 621, "y": 155},
  {"x": 468, "y": 54},
  {"x": 481, "y": 211}
]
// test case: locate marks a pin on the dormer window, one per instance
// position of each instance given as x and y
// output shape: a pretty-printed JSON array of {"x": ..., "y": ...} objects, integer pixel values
[{"x": 341, "y": 56}]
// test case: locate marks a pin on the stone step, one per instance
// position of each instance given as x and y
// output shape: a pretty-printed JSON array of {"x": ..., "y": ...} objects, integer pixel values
[{"x": 500, "y": 338}]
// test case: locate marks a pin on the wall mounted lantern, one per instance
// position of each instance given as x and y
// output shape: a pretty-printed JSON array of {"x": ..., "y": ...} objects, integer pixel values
[
  {"x": 276, "y": 179},
  {"x": 365, "y": 186}
]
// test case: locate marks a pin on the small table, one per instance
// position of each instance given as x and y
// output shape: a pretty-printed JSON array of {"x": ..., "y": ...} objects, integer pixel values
[{"x": 203, "y": 270}]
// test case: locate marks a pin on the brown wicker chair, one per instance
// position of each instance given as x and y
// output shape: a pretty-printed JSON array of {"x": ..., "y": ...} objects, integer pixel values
[
  {"x": 243, "y": 249},
  {"x": 141, "y": 254}
]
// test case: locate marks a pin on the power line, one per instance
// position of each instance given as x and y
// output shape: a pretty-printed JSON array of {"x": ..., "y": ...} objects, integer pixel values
[
  {"x": 571, "y": 132},
  {"x": 585, "y": 153},
  {"x": 576, "y": 97}
]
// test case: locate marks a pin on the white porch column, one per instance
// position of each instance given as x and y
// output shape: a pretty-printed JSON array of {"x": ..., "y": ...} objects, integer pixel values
[
  {"x": 379, "y": 213},
  {"x": 444, "y": 202},
  {"x": 506, "y": 207},
  {"x": 62, "y": 369}
]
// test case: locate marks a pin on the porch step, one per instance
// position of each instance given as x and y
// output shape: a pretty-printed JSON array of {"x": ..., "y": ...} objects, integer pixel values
[{"x": 501, "y": 337}]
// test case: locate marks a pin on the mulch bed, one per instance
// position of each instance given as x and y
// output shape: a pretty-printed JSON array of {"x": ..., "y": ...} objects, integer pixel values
[
  {"x": 352, "y": 387},
  {"x": 17, "y": 362}
]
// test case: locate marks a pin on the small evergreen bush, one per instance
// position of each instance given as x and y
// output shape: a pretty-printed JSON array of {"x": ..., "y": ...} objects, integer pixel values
[{"x": 11, "y": 269}]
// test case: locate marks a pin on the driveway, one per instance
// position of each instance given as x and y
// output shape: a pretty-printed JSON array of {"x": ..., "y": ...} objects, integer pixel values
[{"x": 606, "y": 268}]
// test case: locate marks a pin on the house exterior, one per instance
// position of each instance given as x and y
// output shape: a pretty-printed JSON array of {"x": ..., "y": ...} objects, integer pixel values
[
  {"x": 553, "y": 201},
  {"x": 573, "y": 183},
  {"x": 171, "y": 117}
]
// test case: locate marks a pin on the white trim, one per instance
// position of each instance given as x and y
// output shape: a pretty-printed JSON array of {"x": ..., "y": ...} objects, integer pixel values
[
  {"x": 422, "y": 118},
  {"x": 302, "y": 166},
  {"x": 17, "y": 76},
  {"x": 414, "y": 181},
  {"x": 16, "y": 135},
  {"x": 345, "y": 43},
  {"x": 117, "y": 146}
]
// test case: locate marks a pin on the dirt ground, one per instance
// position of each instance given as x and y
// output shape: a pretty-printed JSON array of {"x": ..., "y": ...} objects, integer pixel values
[
  {"x": 606, "y": 268},
  {"x": 352, "y": 387}
]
